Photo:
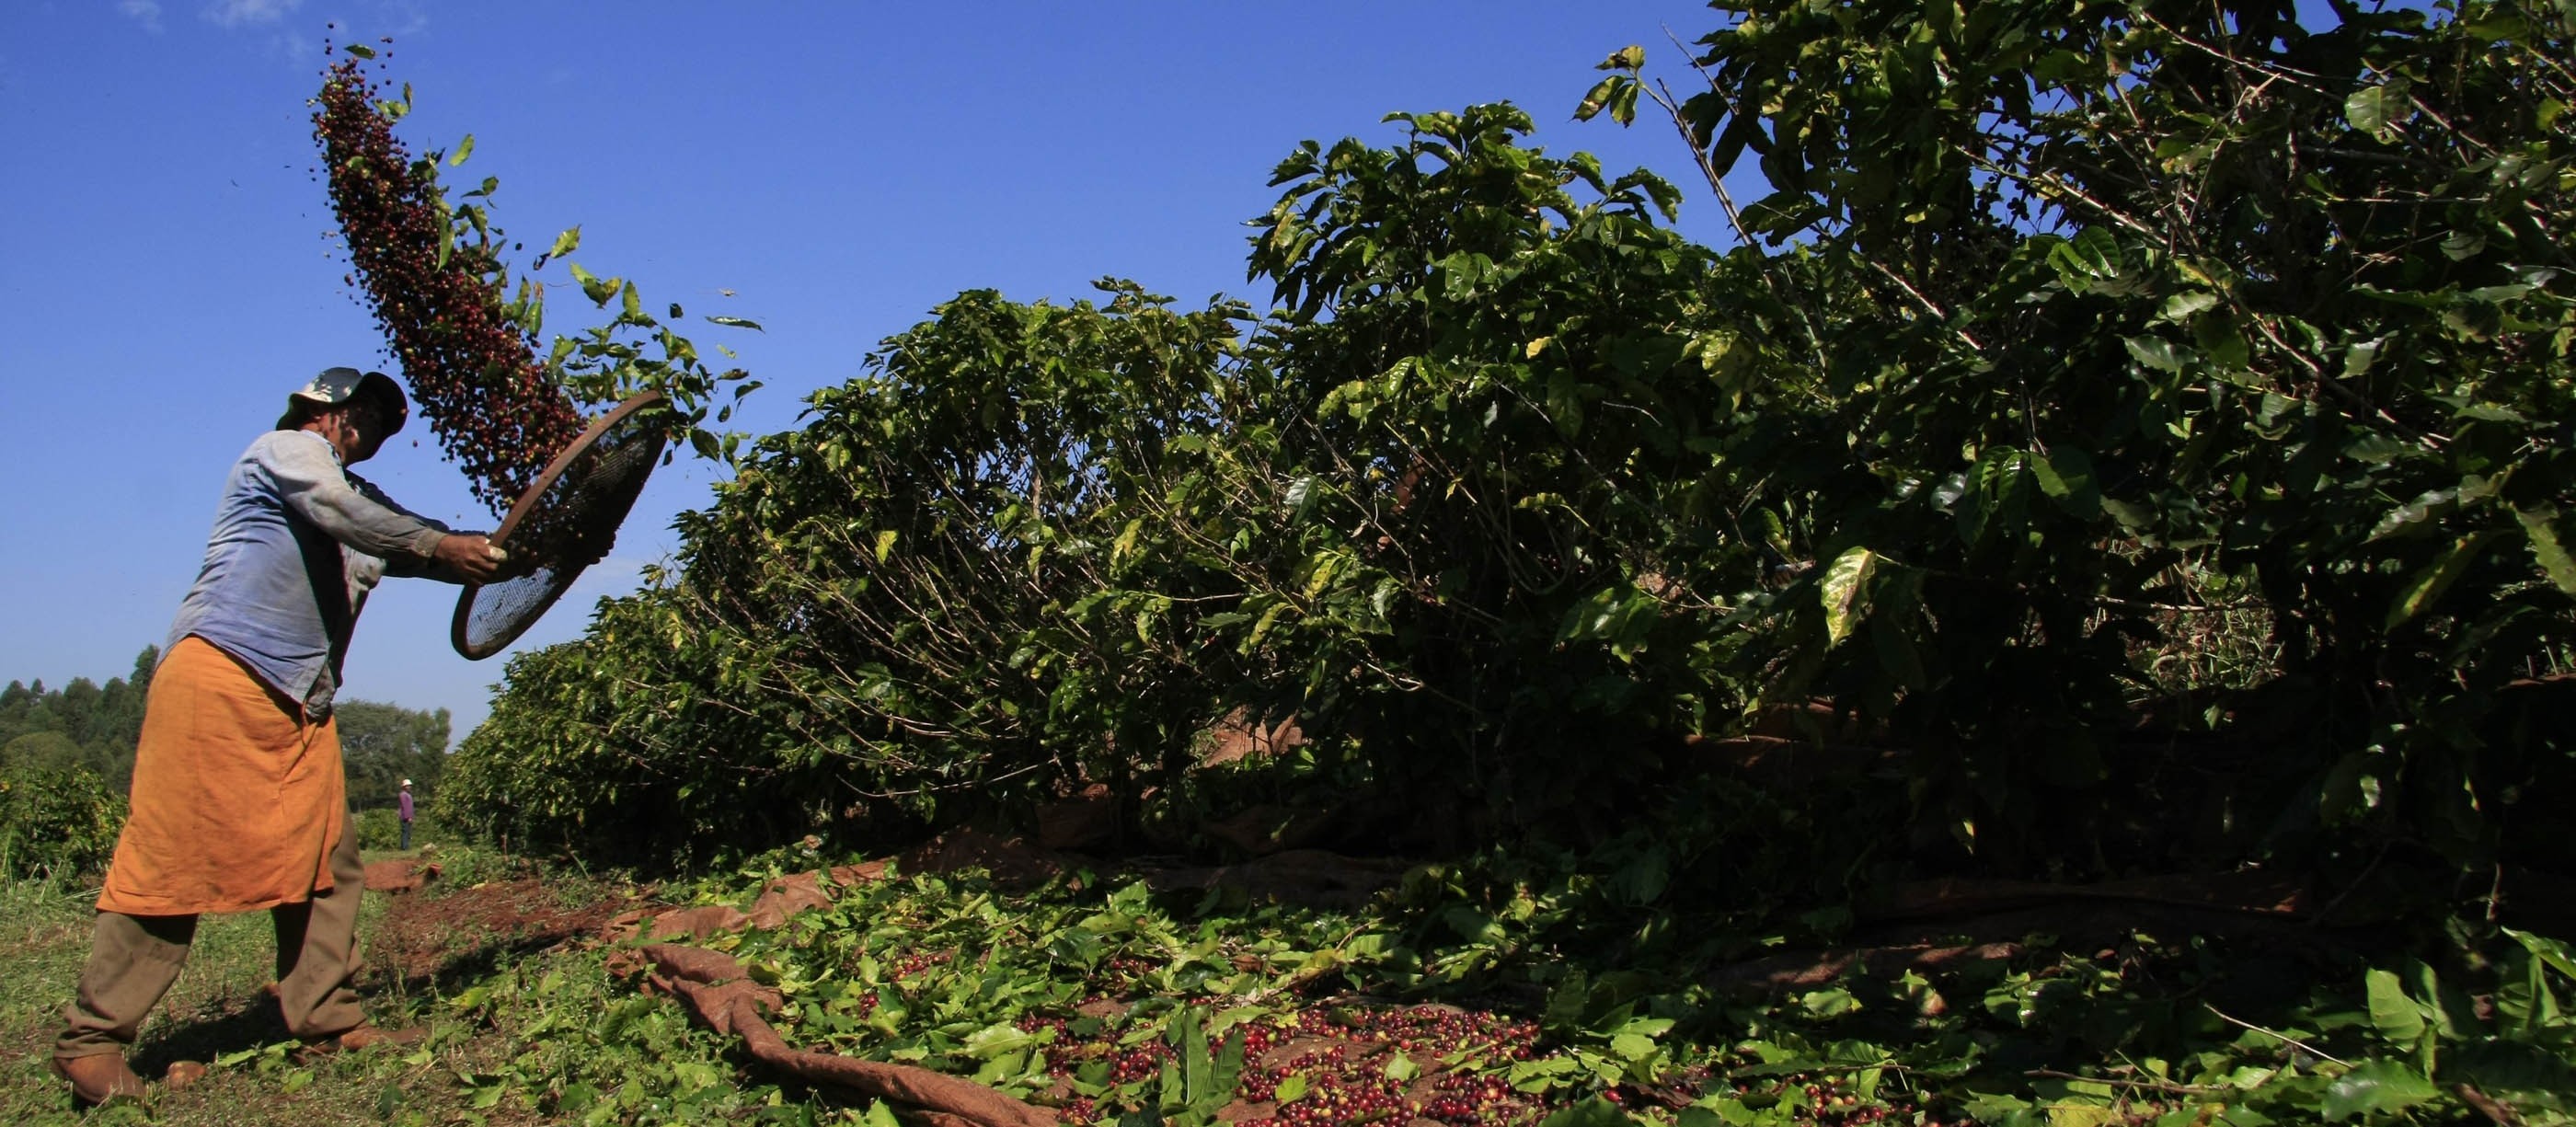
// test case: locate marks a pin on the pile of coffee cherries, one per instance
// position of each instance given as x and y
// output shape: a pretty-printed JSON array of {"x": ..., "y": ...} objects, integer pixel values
[
  {"x": 1835, "y": 1098},
  {"x": 438, "y": 296},
  {"x": 1339, "y": 1057},
  {"x": 1348, "y": 1078}
]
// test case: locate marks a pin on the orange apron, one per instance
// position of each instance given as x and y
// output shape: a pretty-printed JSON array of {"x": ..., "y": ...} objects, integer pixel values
[{"x": 237, "y": 802}]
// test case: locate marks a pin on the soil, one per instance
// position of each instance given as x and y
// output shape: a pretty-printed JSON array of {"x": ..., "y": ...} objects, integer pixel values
[
  {"x": 400, "y": 876},
  {"x": 457, "y": 932}
]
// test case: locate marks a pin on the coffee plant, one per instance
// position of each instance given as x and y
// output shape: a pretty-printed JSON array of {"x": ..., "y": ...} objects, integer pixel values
[
  {"x": 2118, "y": 312},
  {"x": 986, "y": 574},
  {"x": 2074, "y": 337},
  {"x": 58, "y": 820},
  {"x": 1041, "y": 545}
]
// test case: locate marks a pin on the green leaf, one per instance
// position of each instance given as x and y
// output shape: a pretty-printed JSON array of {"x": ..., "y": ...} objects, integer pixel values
[
  {"x": 2374, "y": 448},
  {"x": 464, "y": 149},
  {"x": 2348, "y": 788},
  {"x": 1845, "y": 591},
  {"x": 1290, "y": 1088},
  {"x": 2379, "y": 1085},
  {"x": 2092, "y": 255},
  {"x": 1594, "y": 1112},
  {"x": 2221, "y": 340},
  {"x": 2523, "y": 996},
  {"x": 2180, "y": 307},
  {"x": 2493, "y": 26},
  {"x": 2134, "y": 517},
  {"x": 2541, "y": 526},
  {"x": 1599, "y": 97},
  {"x": 592, "y": 286},
  {"x": 996, "y": 1039},
  {"x": 2157, "y": 353},
  {"x": 2489, "y": 412},
  {"x": 736, "y": 323},
  {"x": 1601, "y": 614},
  {"x": 1623, "y": 109},
  {"x": 360, "y": 50},
  {"x": 566, "y": 242},
  {"x": 1566, "y": 1001},
  {"x": 2373, "y": 109},
  {"x": 2397, "y": 1018},
  {"x": 2420, "y": 515},
  {"x": 2066, "y": 477},
  {"x": 1833, "y": 1002},
  {"x": 2552, "y": 953},
  {"x": 1197, "y": 1063},
  {"x": 2427, "y": 586},
  {"x": 1270, "y": 617}
]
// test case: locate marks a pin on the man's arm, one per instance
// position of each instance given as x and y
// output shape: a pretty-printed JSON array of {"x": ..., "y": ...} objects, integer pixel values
[
  {"x": 468, "y": 546},
  {"x": 314, "y": 486}
]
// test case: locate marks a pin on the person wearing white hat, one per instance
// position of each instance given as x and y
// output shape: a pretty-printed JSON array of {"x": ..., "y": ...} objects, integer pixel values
[
  {"x": 402, "y": 805},
  {"x": 239, "y": 801}
]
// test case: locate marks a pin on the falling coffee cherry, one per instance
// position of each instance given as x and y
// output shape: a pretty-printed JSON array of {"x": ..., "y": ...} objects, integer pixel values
[{"x": 473, "y": 370}]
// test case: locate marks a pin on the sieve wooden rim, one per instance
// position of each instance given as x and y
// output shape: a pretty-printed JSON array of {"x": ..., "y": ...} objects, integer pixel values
[{"x": 527, "y": 503}]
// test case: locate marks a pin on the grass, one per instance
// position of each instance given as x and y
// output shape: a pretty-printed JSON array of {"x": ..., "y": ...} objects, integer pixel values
[
  {"x": 214, "y": 1006},
  {"x": 217, "y": 1013}
]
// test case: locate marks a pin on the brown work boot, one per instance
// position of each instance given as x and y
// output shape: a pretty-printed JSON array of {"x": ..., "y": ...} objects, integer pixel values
[
  {"x": 99, "y": 1078},
  {"x": 364, "y": 1035}
]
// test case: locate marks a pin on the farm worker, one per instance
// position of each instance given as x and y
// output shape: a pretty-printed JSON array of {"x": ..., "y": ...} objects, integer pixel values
[
  {"x": 239, "y": 801},
  {"x": 402, "y": 803}
]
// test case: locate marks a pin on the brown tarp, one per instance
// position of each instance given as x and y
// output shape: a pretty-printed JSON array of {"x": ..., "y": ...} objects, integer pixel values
[{"x": 715, "y": 989}]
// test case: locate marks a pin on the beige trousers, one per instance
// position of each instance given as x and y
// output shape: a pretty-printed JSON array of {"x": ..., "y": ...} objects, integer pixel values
[{"x": 134, "y": 959}]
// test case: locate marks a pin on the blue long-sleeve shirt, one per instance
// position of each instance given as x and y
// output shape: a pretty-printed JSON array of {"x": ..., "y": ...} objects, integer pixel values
[{"x": 297, "y": 544}]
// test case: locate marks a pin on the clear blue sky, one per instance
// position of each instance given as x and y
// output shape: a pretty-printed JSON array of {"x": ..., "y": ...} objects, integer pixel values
[{"x": 166, "y": 273}]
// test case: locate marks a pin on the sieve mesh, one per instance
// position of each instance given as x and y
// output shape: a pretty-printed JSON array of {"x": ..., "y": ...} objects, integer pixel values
[{"x": 565, "y": 522}]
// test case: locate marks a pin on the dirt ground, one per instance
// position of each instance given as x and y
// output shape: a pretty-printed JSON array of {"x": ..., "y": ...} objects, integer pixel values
[{"x": 435, "y": 938}]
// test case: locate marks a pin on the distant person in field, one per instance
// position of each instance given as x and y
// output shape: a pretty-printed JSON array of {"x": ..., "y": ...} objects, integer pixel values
[
  {"x": 239, "y": 800},
  {"x": 402, "y": 805}
]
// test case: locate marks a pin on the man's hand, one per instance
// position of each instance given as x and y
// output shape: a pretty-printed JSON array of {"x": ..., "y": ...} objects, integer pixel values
[{"x": 470, "y": 555}]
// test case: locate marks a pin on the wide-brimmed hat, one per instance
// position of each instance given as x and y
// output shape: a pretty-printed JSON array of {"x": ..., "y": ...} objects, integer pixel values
[
  {"x": 340, "y": 385},
  {"x": 406, "y": 782}
]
